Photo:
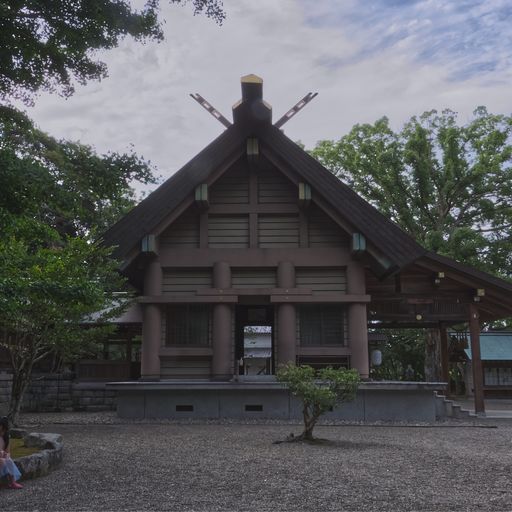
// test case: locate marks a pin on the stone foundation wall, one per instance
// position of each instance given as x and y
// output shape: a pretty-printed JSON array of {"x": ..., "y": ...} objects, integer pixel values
[
  {"x": 375, "y": 401},
  {"x": 42, "y": 462},
  {"x": 59, "y": 392}
]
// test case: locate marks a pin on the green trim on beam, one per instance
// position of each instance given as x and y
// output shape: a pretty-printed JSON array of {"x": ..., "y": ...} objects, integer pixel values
[
  {"x": 201, "y": 195},
  {"x": 358, "y": 243},
  {"x": 148, "y": 244},
  {"x": 304, "y": 194}
]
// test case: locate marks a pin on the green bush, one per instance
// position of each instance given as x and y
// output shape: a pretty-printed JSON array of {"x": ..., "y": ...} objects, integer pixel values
[{"x": 319, "y": 391}]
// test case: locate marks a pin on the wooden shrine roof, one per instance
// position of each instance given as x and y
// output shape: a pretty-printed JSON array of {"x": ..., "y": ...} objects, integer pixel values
[
  {"x": 386, "y": 236},
  {"x": 252, "y": 119}
]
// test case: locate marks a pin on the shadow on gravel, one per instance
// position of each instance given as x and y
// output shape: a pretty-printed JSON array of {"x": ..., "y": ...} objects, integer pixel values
[{"x": 343, "y": 445}]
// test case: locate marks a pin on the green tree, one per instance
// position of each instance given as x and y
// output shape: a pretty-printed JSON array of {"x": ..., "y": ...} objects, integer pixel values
[
  {"x": 48, "y": 45},
  {"x": 319, "y": 391},
  {"x": 403, "y": 347},
  {"x": 447, "y": 185},
  {"x": 47, "y": 289},
  {"x": 58, "y": 195},
  {"x": 64, "y": 184}
]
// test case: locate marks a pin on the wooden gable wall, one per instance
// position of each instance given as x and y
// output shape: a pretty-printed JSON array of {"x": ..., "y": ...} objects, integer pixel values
[{"x": 253, "y": 209}]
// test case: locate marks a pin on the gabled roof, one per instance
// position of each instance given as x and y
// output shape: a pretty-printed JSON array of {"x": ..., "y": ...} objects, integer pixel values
[
  {"x": 386, "y": 236},
  {"x": 252, "y": 118}
]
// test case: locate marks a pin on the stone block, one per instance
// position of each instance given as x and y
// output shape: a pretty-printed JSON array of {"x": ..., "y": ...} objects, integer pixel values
[{"x": 42, "y": 462}]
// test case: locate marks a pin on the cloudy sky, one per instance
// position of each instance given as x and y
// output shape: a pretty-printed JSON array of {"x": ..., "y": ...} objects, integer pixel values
[{"x": 365, "y": 58}]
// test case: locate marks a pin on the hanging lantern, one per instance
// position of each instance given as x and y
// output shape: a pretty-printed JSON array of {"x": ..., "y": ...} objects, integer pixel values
[{"x": 376, "y": 357}]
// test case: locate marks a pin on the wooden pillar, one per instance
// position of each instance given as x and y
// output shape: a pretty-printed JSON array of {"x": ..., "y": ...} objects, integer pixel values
[
  {"x": 445, "y": 365},
  {"x": 222, "y": 359},
  {"x": 476, "y": 360},
  {"x": 357, "y": 321},
  {"x": 286, "y": 317},
  {"x": 151, "y": 323}
]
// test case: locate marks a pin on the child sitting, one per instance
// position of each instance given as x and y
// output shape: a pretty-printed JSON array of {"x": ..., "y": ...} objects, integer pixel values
[{"x": 7, "y": 466}]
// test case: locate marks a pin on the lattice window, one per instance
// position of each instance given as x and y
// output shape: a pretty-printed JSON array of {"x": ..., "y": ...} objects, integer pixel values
[
  {"x": 322, "y": 324},
  {"x": 188, "y": 324}
]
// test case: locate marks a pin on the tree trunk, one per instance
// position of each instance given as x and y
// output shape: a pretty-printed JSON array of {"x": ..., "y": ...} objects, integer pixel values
[
  {"x": 310, "y": 419},
  {"x": 432, "y": 355},
  {"x": 20, "y": 381}
]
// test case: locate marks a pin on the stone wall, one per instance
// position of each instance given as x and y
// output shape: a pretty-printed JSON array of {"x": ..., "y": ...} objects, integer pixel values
[
  {"x": 59, "y": 392},
  {"x": 43, "y": 461}
]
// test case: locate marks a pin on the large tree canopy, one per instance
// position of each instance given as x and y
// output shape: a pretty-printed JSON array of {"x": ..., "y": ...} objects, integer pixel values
[
  {"x": 46, "y": 45},
  {"x": 63, "y": 184},
  {"x": 446, "y": 184},
  {"x": 56, "y": 197}
]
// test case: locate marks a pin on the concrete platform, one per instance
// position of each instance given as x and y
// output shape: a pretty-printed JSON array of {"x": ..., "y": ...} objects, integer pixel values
[{"x": 375, "y": 401}]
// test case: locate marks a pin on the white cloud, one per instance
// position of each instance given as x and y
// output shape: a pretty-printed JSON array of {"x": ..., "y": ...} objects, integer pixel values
[{"x": 145, "y": 99}]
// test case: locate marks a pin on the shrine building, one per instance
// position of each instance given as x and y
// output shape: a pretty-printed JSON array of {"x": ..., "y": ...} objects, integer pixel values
[{"x": 253, "y": 255}]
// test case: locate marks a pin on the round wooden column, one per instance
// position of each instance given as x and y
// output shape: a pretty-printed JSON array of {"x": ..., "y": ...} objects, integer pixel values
[
  {"x": 286, "y": 317},
  {"x": 222, "y": 359},
  {"x": 357, "y": 321},
  {"x": 152, "y": 323},
  {"x": 476, "y": 359}
]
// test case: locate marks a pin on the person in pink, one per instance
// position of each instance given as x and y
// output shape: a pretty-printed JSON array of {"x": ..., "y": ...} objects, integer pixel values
[{"x": 7, "y": 467}]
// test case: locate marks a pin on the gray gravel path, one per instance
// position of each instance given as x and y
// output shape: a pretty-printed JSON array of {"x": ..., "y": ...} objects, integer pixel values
[{"x": 216, "y": 467}]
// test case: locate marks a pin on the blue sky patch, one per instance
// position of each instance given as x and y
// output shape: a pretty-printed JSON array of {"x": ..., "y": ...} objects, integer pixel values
[{"x": 471, "y": 37}]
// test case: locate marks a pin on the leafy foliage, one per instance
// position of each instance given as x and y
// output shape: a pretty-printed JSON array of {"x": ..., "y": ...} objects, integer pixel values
[
  {"x": 49, "y": 45},
  {"x": 403, "y": 347},
  {"x": 449, "y": 186},
  {"x": 48, "y": 287},
  {"x": 319, "y": 390},
  {"x": 63, "y": 184},
  {"x": 57, "y": 197}
]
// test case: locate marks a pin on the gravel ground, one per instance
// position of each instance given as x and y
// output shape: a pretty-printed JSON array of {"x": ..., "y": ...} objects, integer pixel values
[{"x": 232, "y": 467}]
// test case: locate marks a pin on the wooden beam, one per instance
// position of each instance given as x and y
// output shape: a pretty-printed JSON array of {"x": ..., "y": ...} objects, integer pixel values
[
  {"x": 296, "y": 108},
  {"x": 319, "y": 299},
  {"x": 408, "y": 325},
  {"x": 211, "y": 109},
  {"x": 186, "y": 257},
  {"x": 476, "y": 360},
  {"x": 269, "y": 208},
  {"x": 203, "y": 230},
  {"x": 303, "y": 230},
  {"x": 253, "y": 230},
  {"x": 445, "y": 369},
  {"x": 471, "y": 283},
  {"x": 187, "y": 299},
  {"x": 411, "y": 317},
  {"x": 255, "y": 291}
]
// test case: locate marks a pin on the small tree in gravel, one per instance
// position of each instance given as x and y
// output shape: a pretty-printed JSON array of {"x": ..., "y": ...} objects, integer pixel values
[{"x": 319, "y": 391}]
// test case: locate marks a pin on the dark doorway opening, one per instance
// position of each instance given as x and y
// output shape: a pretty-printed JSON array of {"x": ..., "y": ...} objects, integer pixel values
[{"x": 254, "y": 340}]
